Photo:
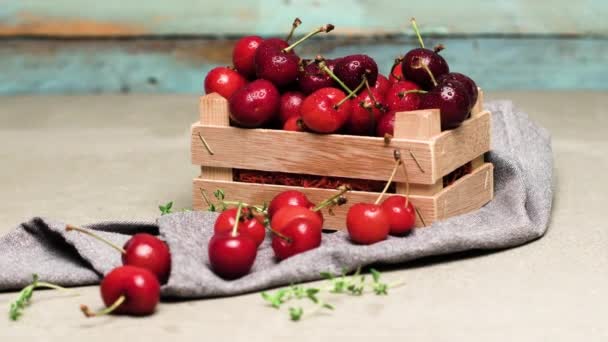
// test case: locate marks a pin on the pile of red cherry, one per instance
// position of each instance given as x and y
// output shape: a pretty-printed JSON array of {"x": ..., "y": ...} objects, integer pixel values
[
  {"x": 270, "y": 86},
  {"x": 296, "y": 226}
]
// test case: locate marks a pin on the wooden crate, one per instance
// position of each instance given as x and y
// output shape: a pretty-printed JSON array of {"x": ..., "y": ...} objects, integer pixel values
[{"x": 428, "y": 155}]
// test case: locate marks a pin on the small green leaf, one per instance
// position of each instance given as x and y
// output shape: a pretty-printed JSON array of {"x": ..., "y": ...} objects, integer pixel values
[
  {"x": 327, "y": 275},
  {"x": 375, "y": 275},
  {"x": 296, "y": 313},
  {"x": 328, "y": 306}
]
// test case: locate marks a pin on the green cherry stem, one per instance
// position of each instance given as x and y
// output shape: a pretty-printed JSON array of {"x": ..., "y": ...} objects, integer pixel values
[
  {"x": 323, "y": 66},
  {"x": 352, "y": 94},
  {"x": 415, "y": 26},
  {"x": 325, "y": 28},
  {"x": 398, "y": 161},
  {"x": 70, "y": 227},
  {"x": 343, "y": 189},
  {"x": 88, "y": 313},
  {"x": 294, "y": 26},
  {"x": 413, "y": 91}
]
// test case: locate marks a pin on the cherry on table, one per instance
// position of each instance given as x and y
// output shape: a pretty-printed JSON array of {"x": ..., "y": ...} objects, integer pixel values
[
  {"x": 232, "y": 254},
  {"x": 298, "y": 236},
  {"x": 255, "y": 104},
  {"x": 224, "y": 81},
  {"x": 243, "y": 55},
  {"x": 325, "y": 110},
  {"x": 141, "y": 250},
  {"x": 291, "y": 101},
  {"x": 248, "y": 225},
  {"x": 401, "y": 214},
  {"x": 128, "y": 290},
  {"x": 351, "y": 70}
]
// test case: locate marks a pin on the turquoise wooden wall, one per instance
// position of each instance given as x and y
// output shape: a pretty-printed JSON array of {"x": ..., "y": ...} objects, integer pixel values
[{"x": 84, "y": 46}]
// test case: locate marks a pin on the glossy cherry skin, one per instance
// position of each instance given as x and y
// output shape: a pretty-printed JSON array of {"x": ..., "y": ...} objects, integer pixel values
[
  {"x": 312, "y": 78},
  {"x": 288, "y": 198},
  {"x": 365, "y": 114},
  {"x": 149, "y": 252},
  {"x": 382, "y": 84},
  {"x": 367, "y": 223},
  {"x": 303, "y": 236},
  {"x": 275, "y": 65},
  {"x": 254, "y": 104},
  {"x": 319, "y": 113},
  {"x": 291, "y": 101},
  {"x": 402, "y": 219},
  {"x": 231, "y": 257},
  {"x": 453, "y": 101},
  {"x": 224, "y": 81},
  {"x": 243, "y": 55},
  {"x": 411, "y": 70},
  {"x": 467, "y": 81},
  {"x": 248, "y": 226},
  {"x": 294, "y": 124},
  {"x": 397, "y": 74},
  {"x": 139, "y": 286},
  {"x": 386, "y": 124},
  {"x": 398, "y": 100},
  {"x": 286, "y": 214},
  {"x": 350, "y": 70}
]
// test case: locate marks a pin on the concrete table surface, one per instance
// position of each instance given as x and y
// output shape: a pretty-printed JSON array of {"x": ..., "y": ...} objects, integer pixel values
[{"x": 87, "y": 158}]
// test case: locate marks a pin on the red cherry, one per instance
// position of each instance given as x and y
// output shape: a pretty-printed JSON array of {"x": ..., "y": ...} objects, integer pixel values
[
  {"x": 149, "y": 252},
  {"x": 365, "y": 113},
  {"x": 243, "y": 55},
  {"x": 232, "y": 255},
  {"x": 288, "y": 198},
  {"x": 137, "y": 288},
  {"x": 290, "y": 105},
  {"x": 386, "y": 124},
  {"x": 367, "y": 223},
  {"x": 319, "y": 111},
  {"x": 302, "y": 235},
  {"x": 396, "y": 74},
  {"x": 398, "y": 99},
  {"x": 224, "y": 81},
  {"x": 382, "y": 84},
  {"x": 249, "y": 226},
  {"x": 254, "y": 104},
  {"x": 402, "y": 218},
  {"x": 283, "y": 216},
  {"x": 294, "y": 124}
]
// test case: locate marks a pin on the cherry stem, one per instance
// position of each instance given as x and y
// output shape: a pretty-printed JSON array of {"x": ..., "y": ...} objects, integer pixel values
[
  {"x": 280, "y": 235},
  {"x": 325, "y": 28},
  {"x": 343, "y": 189},
  {"x": 397, "y": 62},
  {"x": 255, "y": 207},
  {"x": 439, "y": 48},
  {"x": 352, "y": 94},
  {"x": 331, "y": 74},
  {"x": 237, "y": 220},
  {"x": 88, "y": 313},
  {"x": 415, "y": 26},
  {"x": 70, "y": 227},
  {"x": 398, "y": 161},
  {"x": 428, "y": 71},
  {"x": 413, "y": 91},
  {"x": 294, "y": 26}
]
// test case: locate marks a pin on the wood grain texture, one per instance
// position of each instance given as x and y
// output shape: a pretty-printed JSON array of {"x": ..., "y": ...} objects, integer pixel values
[
  {"x": 454, "y": 148},
  {"x": 179, "y": 66},
  {"x": 213, "y": 110},
  {"x": 260, "y": 193},
  {"x": 469, "y": 193},
  {"x": 309, "y": 153},
  {"x": 206, "y": 17}
]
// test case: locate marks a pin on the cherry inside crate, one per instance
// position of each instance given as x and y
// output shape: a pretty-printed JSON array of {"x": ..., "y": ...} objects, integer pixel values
[{"x": 428, "y": 154}]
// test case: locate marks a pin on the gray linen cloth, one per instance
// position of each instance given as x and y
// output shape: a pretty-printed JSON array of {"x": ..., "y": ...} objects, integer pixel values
[{"x": 520, "y": 211}]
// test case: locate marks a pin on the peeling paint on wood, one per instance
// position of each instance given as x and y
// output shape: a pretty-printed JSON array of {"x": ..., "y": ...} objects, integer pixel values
[
  {"x": 267, "y": 17},
  {"x": 157, "y": 66}
]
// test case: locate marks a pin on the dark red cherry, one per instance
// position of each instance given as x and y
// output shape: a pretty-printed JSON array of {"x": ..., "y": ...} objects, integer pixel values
[
  {"x": 224, "y": 81},
  {"x": 312, "y": 78},
  {"x": 415, "y": 63},
  {"x": 291, "y": 101},
  {"x": 351, "y": 69},
  {"x": 254, "y": 104},
  {"x": 400, "y": 99},
  {"x": 467, "y": 81},
  {"x": 298, "y": 236},
  {"x": 402, "y": 218},
  {"x": 453, "y": 101},
  {"x": 243, "y": 55},
  {"x": 386, "y": 124},
  {"x": 322, "y": 112}
]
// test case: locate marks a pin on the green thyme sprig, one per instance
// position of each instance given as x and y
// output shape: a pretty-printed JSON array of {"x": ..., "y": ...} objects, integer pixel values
[
  {"x": 168, "y": 209},
  {"x": 354, "y": 285},
  {"x": 17, "y": 307}
]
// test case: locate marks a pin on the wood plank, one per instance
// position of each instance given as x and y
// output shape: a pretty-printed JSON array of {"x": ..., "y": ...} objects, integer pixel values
[
  {"x": 70, "y": 17},
  {"x": 469, "y": 193},
  {"x": 179, "y": 66},
  {"x": 309, "y": 153},
  {"x": 260, "y": 193},
  {"x": 213, "y": 110},
  {"x": 475, "y": 112},
  {"x": 456, "y": 147}
]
